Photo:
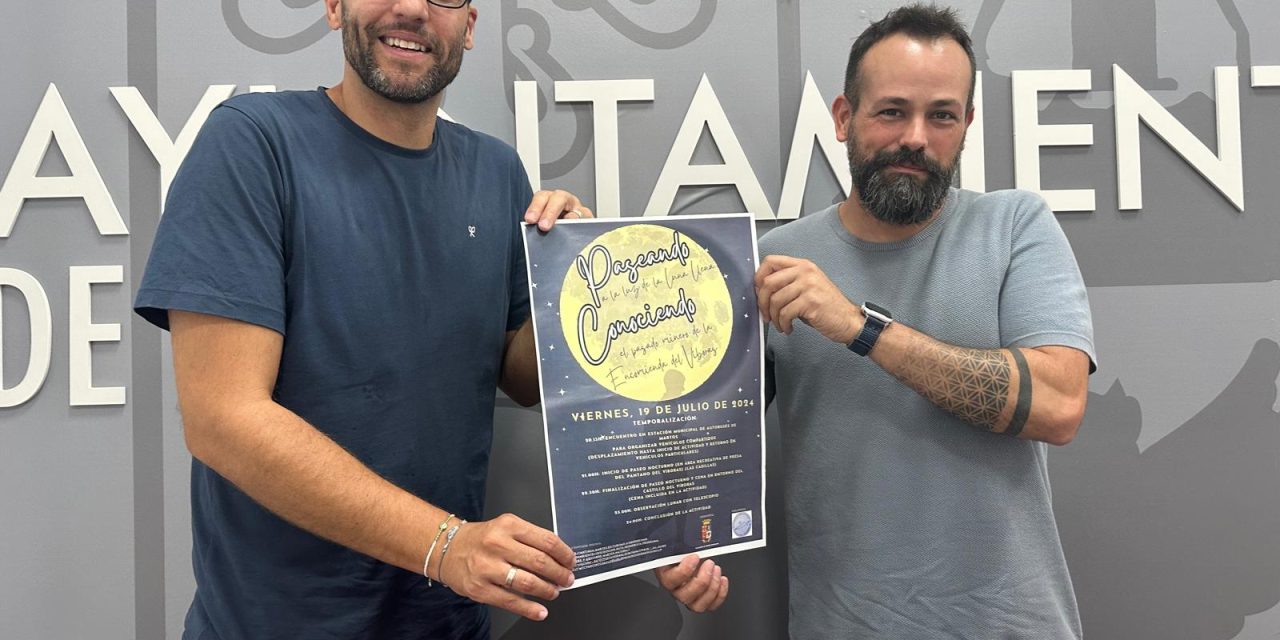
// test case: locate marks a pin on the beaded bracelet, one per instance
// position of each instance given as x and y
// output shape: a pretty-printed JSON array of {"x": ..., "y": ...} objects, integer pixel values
[
  {"x": 443, "y": 525},
  {"x": 448, "y": 539}
]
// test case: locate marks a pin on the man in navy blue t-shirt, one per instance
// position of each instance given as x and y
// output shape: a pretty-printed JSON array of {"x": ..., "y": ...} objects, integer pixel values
[{"x": 343, "y": 278}]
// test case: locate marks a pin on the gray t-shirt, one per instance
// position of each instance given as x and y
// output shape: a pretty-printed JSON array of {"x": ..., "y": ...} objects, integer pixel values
[{"x": 903, "y": 521}]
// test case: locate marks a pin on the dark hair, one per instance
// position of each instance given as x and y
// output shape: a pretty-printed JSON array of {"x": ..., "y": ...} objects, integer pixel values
[{"x": 916, "y": 20}]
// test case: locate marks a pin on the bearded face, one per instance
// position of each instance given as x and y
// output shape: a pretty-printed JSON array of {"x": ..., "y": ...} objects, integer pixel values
[
  {"x": 895, "y": 197},
  {"x": 398, "y": 81}
]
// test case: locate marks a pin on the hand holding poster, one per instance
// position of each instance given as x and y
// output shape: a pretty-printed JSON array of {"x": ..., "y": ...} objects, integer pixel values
[{"x": 650, "y": 353}]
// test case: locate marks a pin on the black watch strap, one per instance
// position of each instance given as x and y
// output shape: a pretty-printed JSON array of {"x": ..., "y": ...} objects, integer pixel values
[{"x": 876, "y": 319}]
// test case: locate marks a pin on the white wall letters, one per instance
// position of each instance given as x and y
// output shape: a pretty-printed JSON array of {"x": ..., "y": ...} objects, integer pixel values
[
  {"x": 1266, "y": 75},
  {"x": 973, "y": 159},
  {"x": 604, "y": 96},
  {"x": 53, "y": 121},
  {"x": 168, "y": 153},
  {"x": 527, "y": 138},
  {"x": 705, "y": 110},
  {"x": 1225, "y": 171},
  {"x": 41, "y": 322},
  {"x": 813, "y": 122},
  {"x": 1031, "y": 135},
  {"x": 82, "y": 332}
]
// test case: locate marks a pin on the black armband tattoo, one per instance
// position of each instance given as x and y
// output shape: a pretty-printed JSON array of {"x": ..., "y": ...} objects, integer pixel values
[{"x": 1023, "y": 407}]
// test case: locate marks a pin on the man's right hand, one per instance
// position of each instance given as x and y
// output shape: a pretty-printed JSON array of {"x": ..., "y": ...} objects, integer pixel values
[
  {"x": 790, "y": 289},
  {"x": 483, "y": 554},
  {"x": 226, "y": 371}
]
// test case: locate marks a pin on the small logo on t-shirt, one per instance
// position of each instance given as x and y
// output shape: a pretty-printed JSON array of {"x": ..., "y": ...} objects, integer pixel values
[{"x": 471, "y": 229}]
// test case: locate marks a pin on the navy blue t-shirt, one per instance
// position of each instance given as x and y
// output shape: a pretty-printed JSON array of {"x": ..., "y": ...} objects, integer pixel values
[{"x": 394, "y": 275}]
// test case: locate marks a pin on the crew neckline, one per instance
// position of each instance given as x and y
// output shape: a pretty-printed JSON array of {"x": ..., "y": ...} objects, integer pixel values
[
  {"x": 372, "y": 140},
  {"x": 832, "y": 215}
]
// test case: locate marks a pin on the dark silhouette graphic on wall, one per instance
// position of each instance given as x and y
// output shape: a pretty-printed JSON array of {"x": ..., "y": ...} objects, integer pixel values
[
  {"x": 274, "y": 45},
  {"x": 520, "y": 23},
  {"x": 1181, "y": 541}
]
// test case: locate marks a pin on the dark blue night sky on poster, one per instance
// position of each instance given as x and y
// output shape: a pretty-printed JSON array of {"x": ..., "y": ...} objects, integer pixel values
[{"x": 650, "y": 355}]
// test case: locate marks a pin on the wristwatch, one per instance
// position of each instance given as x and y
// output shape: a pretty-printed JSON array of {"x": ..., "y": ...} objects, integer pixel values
[{"x": 877, "y": 318}]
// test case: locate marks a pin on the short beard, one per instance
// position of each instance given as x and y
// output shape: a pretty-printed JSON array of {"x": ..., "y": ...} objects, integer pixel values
[
  {"x": 899, "y": 199},
  {"x": 357, "y": 46}
]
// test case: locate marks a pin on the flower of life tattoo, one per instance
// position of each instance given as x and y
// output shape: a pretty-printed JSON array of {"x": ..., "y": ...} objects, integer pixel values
[{"x": 973, "y": 384}]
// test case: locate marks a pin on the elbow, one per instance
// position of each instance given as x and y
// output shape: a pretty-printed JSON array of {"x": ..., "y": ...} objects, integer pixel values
[
  {"x": 523, "y": 391},
  {"x": 196, "y": 432},
  {"x": 1065, "y": 423},
  {"x": 1061, "y": 437},
  {"x": 205, "y": 432},
  {"x": 524, "y": 399}
]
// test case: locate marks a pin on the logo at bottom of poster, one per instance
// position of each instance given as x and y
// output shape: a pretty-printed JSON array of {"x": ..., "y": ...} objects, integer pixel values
[{"x": 742, "y": 524}]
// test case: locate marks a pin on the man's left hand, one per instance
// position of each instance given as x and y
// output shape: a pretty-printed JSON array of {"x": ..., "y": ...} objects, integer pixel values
[
  {"x": 700, "y": 587},
  {"x": 549, "y": 206}
]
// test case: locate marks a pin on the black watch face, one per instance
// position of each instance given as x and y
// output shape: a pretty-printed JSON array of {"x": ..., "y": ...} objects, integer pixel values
[{"x": 878, "y": 309}]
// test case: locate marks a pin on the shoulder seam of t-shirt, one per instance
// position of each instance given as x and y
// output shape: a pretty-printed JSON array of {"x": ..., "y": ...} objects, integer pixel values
[
  {"x": 1026, "y": 206},
  {"x": 286, "y": 204}
]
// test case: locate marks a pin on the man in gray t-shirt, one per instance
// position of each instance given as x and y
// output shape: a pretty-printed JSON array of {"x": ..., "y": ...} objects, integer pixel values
[{"x": 918, "y": 500}]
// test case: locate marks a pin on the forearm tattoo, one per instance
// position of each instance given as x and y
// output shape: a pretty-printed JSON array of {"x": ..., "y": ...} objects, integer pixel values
[{"x": 972, "y": 384}]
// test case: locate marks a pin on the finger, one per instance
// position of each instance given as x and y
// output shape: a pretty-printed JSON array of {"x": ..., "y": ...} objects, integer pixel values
[
  {"x": 509, "y": 541},
  {"x": 767, "y": 267},
  {"x": 519, "y": 606},
  {"x": 674, "y": 576},
  {"x": 553, "y": 206},
  {"x": 786, "y": 304},
  {"x": 724, "y": 594},
  {"x": 557, "y": 204},
  {"x": 584, "y": 211},
  {"x": 546, "y": 554},
  {"x": 530, "y": 584},
  {"x": 784, "y": 298},
  {"x": 766, "y": 284},
  {"x": 788, "y": 314},
  {"x": 774, "y": 284},
  {"x": 774, "y": 273},
  {"x": 697, "y": 586},
  {"x": 762, "y": 302},
  {"x": 777, "y": 262},
  {"x": 542, "y": 566},
  {"x": 703, "y": 602},
  {"x": 534, "y": 211}
]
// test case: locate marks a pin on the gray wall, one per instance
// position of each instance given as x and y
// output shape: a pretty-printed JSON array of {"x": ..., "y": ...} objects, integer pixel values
[{"x": 1166, "y": 500}]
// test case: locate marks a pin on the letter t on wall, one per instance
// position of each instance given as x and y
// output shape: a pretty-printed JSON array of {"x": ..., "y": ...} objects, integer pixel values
[
  {"x": 604, "y": 96},
  {"x": 1266, "y": 75}
]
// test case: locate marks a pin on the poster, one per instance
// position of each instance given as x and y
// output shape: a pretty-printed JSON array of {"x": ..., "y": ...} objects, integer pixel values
[{"x": 650, "y": 352}]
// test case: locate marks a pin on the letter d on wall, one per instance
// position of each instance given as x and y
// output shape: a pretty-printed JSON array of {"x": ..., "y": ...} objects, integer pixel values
[{"x": 41, "y": 319}]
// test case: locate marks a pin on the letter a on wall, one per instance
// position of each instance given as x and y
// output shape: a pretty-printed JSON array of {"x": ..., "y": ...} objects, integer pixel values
[{"x": 53, "y": 121}]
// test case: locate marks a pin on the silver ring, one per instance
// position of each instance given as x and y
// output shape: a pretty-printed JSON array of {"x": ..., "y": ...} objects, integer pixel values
[
  {"x": 575, "y": 212},
  {"x": 511, "y": 577}
]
